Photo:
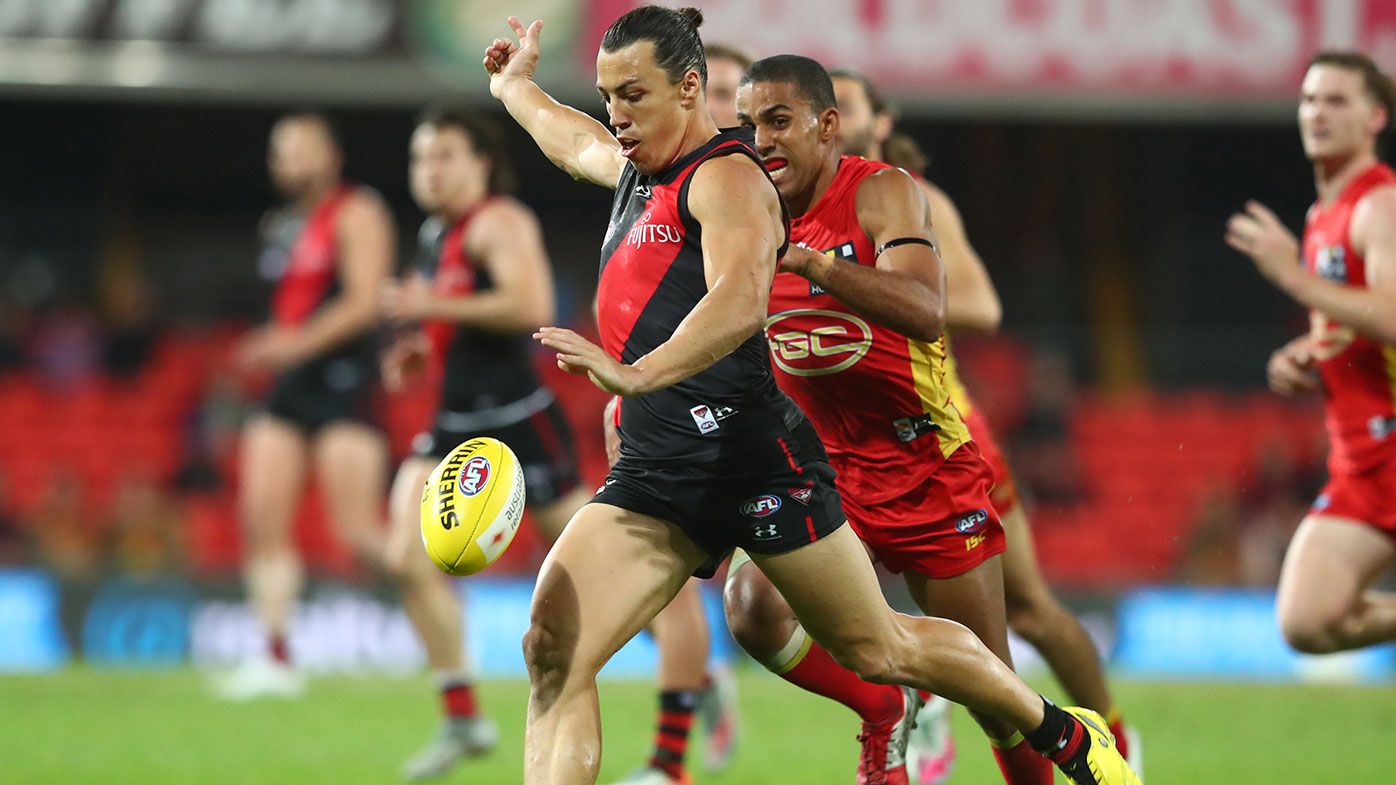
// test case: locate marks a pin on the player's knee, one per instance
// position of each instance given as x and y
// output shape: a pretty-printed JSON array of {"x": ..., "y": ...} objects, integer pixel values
[
  {"x": 757, "y": 615},
  {"x": 548, "y": 648},
  {"x": 1310, "y": 635},
  {"x": 1031, "y": 618}
]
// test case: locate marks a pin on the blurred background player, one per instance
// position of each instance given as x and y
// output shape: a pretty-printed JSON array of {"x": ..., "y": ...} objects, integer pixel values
[
  {"x": 866, "y": 128},
  {"x": 913, "y": 483},
  {"x": 481, "y": 285},
  {"x": 328, "y": 251},
  {"x": 1346, "y": 277},
  {"x": 726, "y": 64}
]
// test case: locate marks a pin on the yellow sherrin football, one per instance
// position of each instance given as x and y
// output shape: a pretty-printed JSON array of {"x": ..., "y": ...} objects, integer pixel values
[{"x": 471, "y": 506}]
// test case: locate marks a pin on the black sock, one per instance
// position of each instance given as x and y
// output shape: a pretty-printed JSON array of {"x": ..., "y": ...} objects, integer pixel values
[{"x": 1059, "y": 737}]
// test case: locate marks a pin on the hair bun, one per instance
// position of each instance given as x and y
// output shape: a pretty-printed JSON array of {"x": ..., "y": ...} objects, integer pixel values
[{"x": 693, "y": 15}]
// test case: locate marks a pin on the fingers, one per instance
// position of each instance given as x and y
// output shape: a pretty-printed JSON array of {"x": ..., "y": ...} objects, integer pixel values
[
  {"x": 531, "y": 35},
  {"x": 517, "y": 27},
  {"x": 1262, "y": 213}
]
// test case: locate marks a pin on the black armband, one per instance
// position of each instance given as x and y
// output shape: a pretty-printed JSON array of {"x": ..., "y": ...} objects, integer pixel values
[{"x": 906, "y": 241}]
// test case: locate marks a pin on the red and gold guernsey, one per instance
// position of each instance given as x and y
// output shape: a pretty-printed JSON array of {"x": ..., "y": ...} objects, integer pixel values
[
  {"x": 878, "y": 398},
  {"x": 1359, "y": 374}
]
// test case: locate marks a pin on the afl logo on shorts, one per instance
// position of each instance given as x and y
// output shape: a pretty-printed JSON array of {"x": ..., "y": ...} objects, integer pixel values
[
  {"x": 474, "y": 475},
  {"x": 972, "y": 523},
  {"x": 761, "y": 506},
  {"x": 816, "y": 342}
]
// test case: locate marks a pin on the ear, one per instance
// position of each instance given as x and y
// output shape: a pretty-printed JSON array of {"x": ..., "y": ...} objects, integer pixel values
[
  {"x": 829, "y": 124},
  {"x": 882, "y": 127},
  {"x": 1381, "y": 120},
  {"x": 690, "y": 88}
]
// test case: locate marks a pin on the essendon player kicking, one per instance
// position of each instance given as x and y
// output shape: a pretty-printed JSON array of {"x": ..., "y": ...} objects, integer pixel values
[
  {"x": 1347, "y": 280},
  {"x": 855, "y": 325},
  {"x": 329, "y": 250},
  {"x": 712, "y": 454},
  {"x": 480, "y": 287},
  {"x": 866, "y": 123}
]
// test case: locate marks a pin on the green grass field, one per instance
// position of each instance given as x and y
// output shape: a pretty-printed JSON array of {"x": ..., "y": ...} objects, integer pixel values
[{"x": 85, "y": 726}]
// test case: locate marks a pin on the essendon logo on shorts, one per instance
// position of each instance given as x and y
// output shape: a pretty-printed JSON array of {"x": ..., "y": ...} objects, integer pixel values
[
  {"x": 704, "y": 418},
  {"x": 474, "y": 475},
  {"x": 761, "y": 506},
  {"x": 969, "y": 524},
  {"x": 801, "y": 495}
]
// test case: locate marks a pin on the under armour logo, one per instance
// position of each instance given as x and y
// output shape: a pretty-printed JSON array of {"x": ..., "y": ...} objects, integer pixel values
[{"x": 642, "y": 191}]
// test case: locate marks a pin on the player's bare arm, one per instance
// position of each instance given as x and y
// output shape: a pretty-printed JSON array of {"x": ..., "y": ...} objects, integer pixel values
[
  {"x": 365, "y": 237},
  {"x": 1258, "y": 233},
  {"x": 971, "y": 301},
  {"x": 1291, "y": 370},
  {"x": 576, "y": 142},
  {"x": 906, "y": 289},
  {"x": 508, "y": 242},
  {"x": 740, "y": 212}
]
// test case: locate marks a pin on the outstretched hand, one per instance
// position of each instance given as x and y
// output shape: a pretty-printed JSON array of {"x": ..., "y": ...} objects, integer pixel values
[
  {"x": 576, "y": 354},
  {"x": 1259, "y": 234},
  {"x": 506, "y": 59}
]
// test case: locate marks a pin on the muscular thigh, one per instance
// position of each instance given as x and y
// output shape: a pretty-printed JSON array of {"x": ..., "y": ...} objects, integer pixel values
[
  {"x": 351, "y": 462},
  {"x": 973, "y": 598},
  {"x": 609, "y": 574},
  {"x": 1330, "y": 562},
  {"x": 831, "y": 586}
]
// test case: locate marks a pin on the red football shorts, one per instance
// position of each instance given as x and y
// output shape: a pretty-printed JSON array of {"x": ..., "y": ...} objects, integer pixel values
[
  {"x": 1368, "y": 497},
  {"x": 1005, "y": 493},
  {"x": 941, "y": 528}
]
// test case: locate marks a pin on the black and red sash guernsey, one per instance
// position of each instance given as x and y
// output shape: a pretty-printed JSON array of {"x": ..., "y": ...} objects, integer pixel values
[
  {"x": 300, "y": 258},
  {"x": 482, "y": 370},
  {"x": 651, "y": 278}
]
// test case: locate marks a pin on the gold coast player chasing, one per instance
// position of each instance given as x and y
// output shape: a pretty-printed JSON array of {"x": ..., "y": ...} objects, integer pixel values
[
  {"x": 481, "y": 285},
  {"x": 855, "y": 328},
  {"x": 1346, "y": 277},
  {"x": 329, "y": 250},
  {"x": 866, "y": 128},
  {"x": 712, "y": 454}
]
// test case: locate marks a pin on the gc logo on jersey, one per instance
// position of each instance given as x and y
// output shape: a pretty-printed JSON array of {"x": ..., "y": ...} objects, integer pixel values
[
  {"x": 762, "y": 506},
  {"x": 816, "y": 342},
  {"x": 1331, "y": 262},
  {"x": 474, "y": 475}
]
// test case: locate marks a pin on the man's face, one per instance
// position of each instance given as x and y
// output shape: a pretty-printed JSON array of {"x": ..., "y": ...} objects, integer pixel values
[
  {"x": 1337, "y": 116},
  {"x": 646, "y": 111},
  {"x": 860, "y": 128},
  {"x": 792, "y": 139},
  {"x": 723, "y": 77},
  {"x": 444, "y": 166},
  {"x": 301, "y": 153}
]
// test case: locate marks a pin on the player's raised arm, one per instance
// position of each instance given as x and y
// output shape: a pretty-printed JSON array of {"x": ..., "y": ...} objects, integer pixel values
[
  {"x": 971, "y": 302},
  {"x": 573, "y": 140},
  {"x": 906, "y": 290},
  {"x": 1371, "y": 311}
]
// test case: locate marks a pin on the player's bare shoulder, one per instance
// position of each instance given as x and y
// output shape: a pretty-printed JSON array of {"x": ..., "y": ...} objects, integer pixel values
[
  {"x": 890, "y": 194},
  {"x": 731, "y": 185},
  {"x": 502, "y": 217}
]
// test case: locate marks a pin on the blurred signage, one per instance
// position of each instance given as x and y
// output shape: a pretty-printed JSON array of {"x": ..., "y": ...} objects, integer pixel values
[
  {"x": 314, "y": 26},
  {"x": 1227, "y": 634},
  {"x": 1189, "y": 47},
  {"x": 31, "y": 638}
]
